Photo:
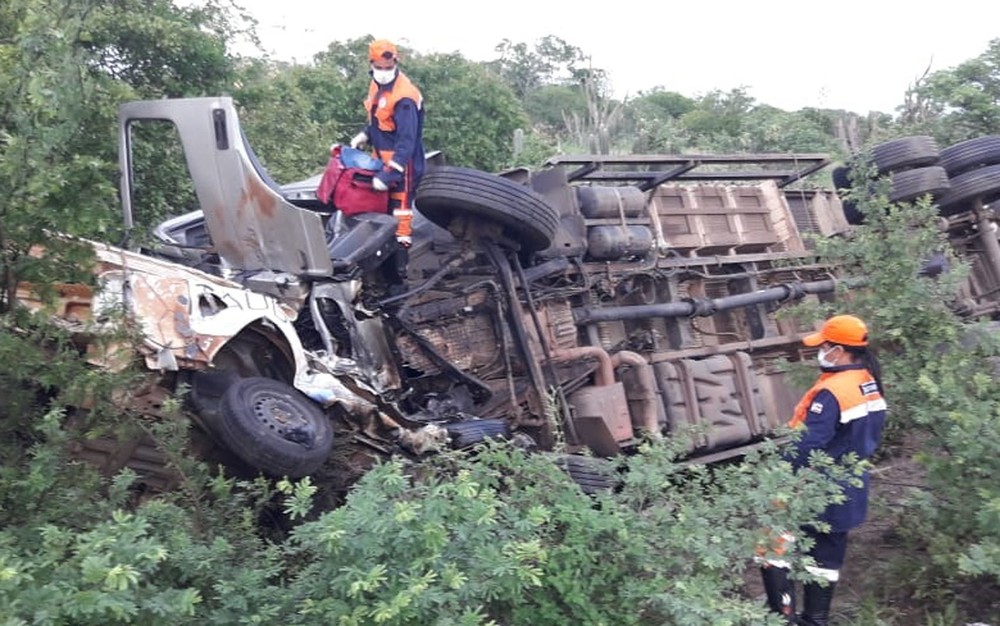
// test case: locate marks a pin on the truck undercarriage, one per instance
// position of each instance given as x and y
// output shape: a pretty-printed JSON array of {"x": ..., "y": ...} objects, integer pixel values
[{"x": 588, "y": 305}]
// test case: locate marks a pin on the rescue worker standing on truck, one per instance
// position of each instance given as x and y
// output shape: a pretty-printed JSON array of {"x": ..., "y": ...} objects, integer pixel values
[
  {"x": 842, "y": 413},
  {"x": 394, "y": 107}
]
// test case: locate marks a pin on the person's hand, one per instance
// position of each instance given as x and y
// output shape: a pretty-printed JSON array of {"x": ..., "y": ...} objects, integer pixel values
[
  {"x": 387, "y": 179},
  {"x": 360, "y": 140},
  {"x": 404, "y": 240}
]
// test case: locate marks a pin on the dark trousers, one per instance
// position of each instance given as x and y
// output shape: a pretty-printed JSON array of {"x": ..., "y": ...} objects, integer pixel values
[{"x": 829, "y": 549}]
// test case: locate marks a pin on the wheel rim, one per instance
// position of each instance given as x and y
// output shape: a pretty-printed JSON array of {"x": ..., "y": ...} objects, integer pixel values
[{"x": 278, "y": 415}]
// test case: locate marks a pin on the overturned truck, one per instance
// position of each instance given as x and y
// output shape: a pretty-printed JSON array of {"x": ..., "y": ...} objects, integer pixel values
[{"x": 594, "y": 302}]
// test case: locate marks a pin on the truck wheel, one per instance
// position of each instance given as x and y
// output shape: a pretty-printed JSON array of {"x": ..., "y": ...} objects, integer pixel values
[
  {"x": 982, "y": 183},
  {"x": 968, "y": 155},
  {"x": 274, "y": 428},
  {"x": 591, "y": 474},
  {"x": 905, "y": 152},
  {"x": 467, "y": 434},
  {"x": 911, "y": 184},
  {"x": 447, "y": 192}
]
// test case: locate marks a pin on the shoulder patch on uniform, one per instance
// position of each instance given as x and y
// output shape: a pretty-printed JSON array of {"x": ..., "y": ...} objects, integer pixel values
[
  {"x": 869, "y": 388},
  {"x": 816, "y": 407}
]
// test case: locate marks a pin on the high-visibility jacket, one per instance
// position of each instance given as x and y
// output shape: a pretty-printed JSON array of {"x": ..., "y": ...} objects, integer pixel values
[
  {"x": 395, "y": 132},
  {"x": 843, "y": 412}
]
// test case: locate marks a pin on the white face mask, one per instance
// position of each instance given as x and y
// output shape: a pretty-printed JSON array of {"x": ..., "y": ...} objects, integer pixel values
[
  {"x": 383, "y": 77},
  {"x": 823, "y": 357}
]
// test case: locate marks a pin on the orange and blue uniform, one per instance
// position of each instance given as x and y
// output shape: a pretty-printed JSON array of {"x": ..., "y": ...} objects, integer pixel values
[
  {"x": 395, "y": 131},
  {"x": 843, "y": 412}
]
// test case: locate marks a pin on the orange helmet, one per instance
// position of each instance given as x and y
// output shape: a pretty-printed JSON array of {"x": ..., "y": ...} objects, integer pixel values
[{"x": 382, "y": 50}]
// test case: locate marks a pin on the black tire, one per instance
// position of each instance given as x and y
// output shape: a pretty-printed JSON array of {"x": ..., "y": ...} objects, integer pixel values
[
  {"x": 905, "y": 152},
  {"x": 273, "y": 427},
  {"x": 912, "y": 184},
  {"x": 842, "y": 183},
  {"x": 447, "y": 192},
  {"x": 969, "y": 155},
  {"x": 982, "y": 183},
  {"x": 593, "y": 475},
  {"x": 466, "y": 434}
]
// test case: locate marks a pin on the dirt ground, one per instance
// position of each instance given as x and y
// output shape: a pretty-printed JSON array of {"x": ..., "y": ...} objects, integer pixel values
[{"x": 873, "y": 588}]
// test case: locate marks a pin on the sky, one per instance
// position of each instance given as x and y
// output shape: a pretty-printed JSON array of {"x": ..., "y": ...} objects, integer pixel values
[{"x": 849, "y": 54}]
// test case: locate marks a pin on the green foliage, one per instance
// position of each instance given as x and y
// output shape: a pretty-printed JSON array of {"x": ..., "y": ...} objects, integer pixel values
[
  {"x": 159, "y": 49},
  {"x": 278, "y": 113},
  {"x": 338, "y": 83},
  {"x": 548, "y": 106},
  {"x": 506, "y": 537},
  {"x": 667, "y": 122},
  {"x": 64, "y": 67},
  {"x": 103, "y": 575},
  {"x": 499, "y": 537},
  {"x": 550, "y": 61},
  {"x": 469, "y": 114},
  {"x": 959, "y": 103}
]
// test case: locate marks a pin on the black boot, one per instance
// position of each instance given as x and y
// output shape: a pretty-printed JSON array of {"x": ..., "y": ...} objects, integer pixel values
[
  {"x": 817, "y": 600},
  {"x": 780, "y": 591}
]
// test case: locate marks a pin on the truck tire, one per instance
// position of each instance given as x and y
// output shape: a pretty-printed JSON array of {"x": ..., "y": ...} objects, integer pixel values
[
  {"x": 591, "y": 474},
  {"x": 272, "y": 427},
  {"x": 982, "y": 183},
  {"x": 467, "y": 434},
  {"x": 968, "y": 155},
  {"x": 909, "y": 185},
  {"x": 446, "y": 192},
  {"x": 905, "y": 153}
]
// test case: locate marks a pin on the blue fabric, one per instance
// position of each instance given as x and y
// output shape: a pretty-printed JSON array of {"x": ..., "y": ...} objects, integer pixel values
[
  {"x": 352, "y": 157},
  {"x": 825, "y": 432},
  {"x": 829, "y": 549}
]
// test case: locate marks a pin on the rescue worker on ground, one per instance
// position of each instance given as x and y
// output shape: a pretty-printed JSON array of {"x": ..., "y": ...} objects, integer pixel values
[
  {"x": 394, "y": 107},
  {"x": 842, "y": 413}
]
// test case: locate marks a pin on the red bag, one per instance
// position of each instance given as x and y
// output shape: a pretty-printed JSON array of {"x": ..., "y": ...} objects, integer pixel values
[{"x": 349, "y": 189}]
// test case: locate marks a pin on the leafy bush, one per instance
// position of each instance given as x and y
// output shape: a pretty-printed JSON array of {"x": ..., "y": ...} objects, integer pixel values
[{"x": 503, "y": 537}]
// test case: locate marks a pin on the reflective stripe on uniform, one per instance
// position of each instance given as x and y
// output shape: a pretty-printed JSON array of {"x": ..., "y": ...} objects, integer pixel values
[
  {"x": 831, "y": 575},
  {"x": 862, "y": 410}
]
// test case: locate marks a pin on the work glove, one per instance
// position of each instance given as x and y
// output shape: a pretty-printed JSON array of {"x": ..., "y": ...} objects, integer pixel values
[
  {"x": 360, "y": 140},
  {"x": 388, "y": 178}
]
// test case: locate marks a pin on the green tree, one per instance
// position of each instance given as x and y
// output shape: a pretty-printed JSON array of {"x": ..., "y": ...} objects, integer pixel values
[
  {"x": 548, "y": 106},
  {"x": 551, "y": 61},
  {"x": 278, "y": 113},
  {"x": 716, "y": 123},
  {"x": 767, "y": 129},
  {"x": 339, "y": 88},
  {"x": 469, "y": 114},
  {"x": 45, "y": 92},
  {"x": 161, "y": 50},
  {"x": 958, "y": 103},
  {"x": 652, "y": 120}
]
